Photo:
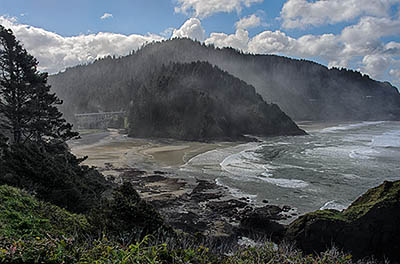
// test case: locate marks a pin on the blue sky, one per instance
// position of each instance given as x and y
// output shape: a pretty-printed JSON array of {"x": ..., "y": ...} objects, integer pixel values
[{"x": 358, "y": 34}]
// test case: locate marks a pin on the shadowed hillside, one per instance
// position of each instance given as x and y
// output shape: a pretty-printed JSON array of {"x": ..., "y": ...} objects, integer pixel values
[
  {"x": 200, "y": 102},
  {"x": 304, "y": 90},
  {"x": 191, "y": 101}
]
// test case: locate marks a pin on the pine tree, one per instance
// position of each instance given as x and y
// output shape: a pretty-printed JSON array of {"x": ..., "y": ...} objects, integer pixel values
[{"x": 27, "y": 108}]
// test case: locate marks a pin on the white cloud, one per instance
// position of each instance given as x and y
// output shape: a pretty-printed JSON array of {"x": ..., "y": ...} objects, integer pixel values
[
  {"x": 205, "y": 8},
  {"x": 248, "y": 22},
  {"x": 167, "y": 32},
  {"x": 106, "y": 16},
  {"x": 393, "y": 48},
  {"x": 55, "y": 52},
  {"x": 376, "y": 65},
  {"x": 271, "y": 42},
  {"x": 192, "y": 28},
  {"x": 302, "y": 13},
  {"x": 239, "y": 40},
  {"x": 370, "y": 29},
  {"x": 358, "y": 45},
  {"x": 395, "y": 73}
]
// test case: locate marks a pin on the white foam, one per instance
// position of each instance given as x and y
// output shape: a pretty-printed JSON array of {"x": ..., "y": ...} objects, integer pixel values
[
  {"x": 351, "y": 176},
  {"x": 389, "y": 139},
  {"x": 244, "y": 163},
  {"x": 246, "y": 166},
  {"x": 351, "y": 126},
  {"x": 333, "y": 205},
  {"x": 215, "y": 157},
  {"x": 285, "y": 183},
  {"x": 363, "y": 153}
]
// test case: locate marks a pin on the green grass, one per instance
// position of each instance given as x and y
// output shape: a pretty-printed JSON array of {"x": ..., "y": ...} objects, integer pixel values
[
  {"x": 32, "y": 231},
  {"x": 386, "y": 194},
  {"x": 22, "y": 216}
]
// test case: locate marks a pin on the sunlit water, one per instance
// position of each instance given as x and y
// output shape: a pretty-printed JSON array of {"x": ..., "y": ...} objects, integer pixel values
[{"x": 329, "y": 168}]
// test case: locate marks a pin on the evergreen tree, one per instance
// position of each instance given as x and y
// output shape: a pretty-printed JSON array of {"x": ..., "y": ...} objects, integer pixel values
[{"x": 28, "y": 108}]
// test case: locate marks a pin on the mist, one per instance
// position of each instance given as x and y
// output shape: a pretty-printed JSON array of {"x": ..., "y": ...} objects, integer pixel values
[{"x": 304, "y": 90}]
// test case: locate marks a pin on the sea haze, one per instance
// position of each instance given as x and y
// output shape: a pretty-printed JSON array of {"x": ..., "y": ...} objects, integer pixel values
[{"x": 327, "y": 169}]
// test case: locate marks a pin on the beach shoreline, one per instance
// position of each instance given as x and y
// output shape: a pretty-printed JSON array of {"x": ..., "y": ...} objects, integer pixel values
[{"x": 186, "y": 202}]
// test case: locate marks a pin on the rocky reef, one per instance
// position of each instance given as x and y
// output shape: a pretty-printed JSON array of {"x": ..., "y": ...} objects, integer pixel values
[{"x": 369, "y": 226}]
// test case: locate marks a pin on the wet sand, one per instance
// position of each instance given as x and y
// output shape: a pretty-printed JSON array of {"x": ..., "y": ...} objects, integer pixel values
[
  {"x": 111, "y": 148},
  {"x": 187, "y": 203}
]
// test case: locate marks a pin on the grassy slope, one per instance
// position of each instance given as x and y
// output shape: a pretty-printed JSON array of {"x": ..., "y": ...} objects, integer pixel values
[
  {"x": 23, "y": 216},
  {"x": 32, "y": 231},
  {"x": 385, "y": 195}
]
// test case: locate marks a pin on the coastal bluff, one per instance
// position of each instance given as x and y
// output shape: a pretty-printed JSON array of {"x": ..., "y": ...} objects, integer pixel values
[{"x": 370, "y": 226}]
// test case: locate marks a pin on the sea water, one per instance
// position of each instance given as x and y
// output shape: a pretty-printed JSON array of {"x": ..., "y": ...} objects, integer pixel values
[{"x": 327, "y": 169}]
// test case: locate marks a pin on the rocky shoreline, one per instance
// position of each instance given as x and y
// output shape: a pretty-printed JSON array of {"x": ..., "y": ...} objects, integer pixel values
[
  {"x": 370, "y": 226},
  {"x": 206, "y": 208}
]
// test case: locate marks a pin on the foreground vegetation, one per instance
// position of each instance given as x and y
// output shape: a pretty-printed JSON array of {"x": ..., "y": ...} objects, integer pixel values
[{"x": 33, "y": 231}]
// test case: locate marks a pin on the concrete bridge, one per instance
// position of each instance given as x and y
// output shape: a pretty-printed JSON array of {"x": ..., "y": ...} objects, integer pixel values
[{"x": 101, "y": 120}]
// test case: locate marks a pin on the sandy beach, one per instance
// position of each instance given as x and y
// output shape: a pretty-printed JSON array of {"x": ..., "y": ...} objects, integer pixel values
[
  {"x": 186, "y": 202},
  {"x": 110, "y": 148}
]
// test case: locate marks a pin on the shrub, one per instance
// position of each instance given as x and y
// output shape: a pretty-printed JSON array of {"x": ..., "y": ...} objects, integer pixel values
[
  {"x": 53, "y": 174},
  {"x": 127, "y": 217}
]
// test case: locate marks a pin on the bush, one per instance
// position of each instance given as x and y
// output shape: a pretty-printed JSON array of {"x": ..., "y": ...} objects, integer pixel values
[
  {"x": 53, "y": 174},
  {"x": 126, "y": 217}
]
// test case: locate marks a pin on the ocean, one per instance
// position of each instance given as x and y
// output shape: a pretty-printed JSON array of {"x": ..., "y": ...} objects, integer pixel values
[{"x": 327, "y": 169}]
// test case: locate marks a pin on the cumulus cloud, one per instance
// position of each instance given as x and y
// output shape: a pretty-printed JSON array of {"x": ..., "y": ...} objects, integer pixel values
[
  {"x": 271, "y": 42},
  {"x": 358, "y": 46},
  {"x": 192, "y": 28},
  {"x": 376, "y": 65},
  {"x": 395, "y": 73},
  {"x": 55, "y": 52},
  {"x": 106, "y": 16},
  {"x": 248, "y": 22},
  {"x": 205, "y": 8},
  {"x": 239, "y": 40},
  {"x": 302, "y": 13}
]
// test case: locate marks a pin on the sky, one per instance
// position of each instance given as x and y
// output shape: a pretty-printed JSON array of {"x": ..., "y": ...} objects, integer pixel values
[{"x": 359, "y": 34}]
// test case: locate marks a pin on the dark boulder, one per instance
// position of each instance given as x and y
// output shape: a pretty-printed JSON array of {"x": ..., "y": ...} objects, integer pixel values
[{"x": 262, "y": 220}]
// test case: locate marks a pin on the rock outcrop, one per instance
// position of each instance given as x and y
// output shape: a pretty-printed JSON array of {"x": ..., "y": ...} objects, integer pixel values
[{"x": 369, "y": 227}]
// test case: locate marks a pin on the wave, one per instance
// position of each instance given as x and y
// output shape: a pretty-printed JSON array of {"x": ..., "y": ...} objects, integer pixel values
[
  {"x": 215, "y": 157},
  {"x": 389, "y": 139},
  {"x": 285, "y": 183},
  {"x": 351, "y": 126},
  {"x": 247, "y": 166},
  {"x": 333, "y": 205},
  {"x": 366, "y": 153}
]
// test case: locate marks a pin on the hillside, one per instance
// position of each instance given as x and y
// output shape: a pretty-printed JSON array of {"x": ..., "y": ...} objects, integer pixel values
[
  {"x": 192, "y": 101},
  {"x": 304, "y": 90},
  {"x": 369, "y": 226},
  {"x": 200, "y": 102}
]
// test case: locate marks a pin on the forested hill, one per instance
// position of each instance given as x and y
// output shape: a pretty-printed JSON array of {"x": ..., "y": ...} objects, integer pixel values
[
  {"x": 304, "y": 90},
  {"x": 191, "y": 101}
]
